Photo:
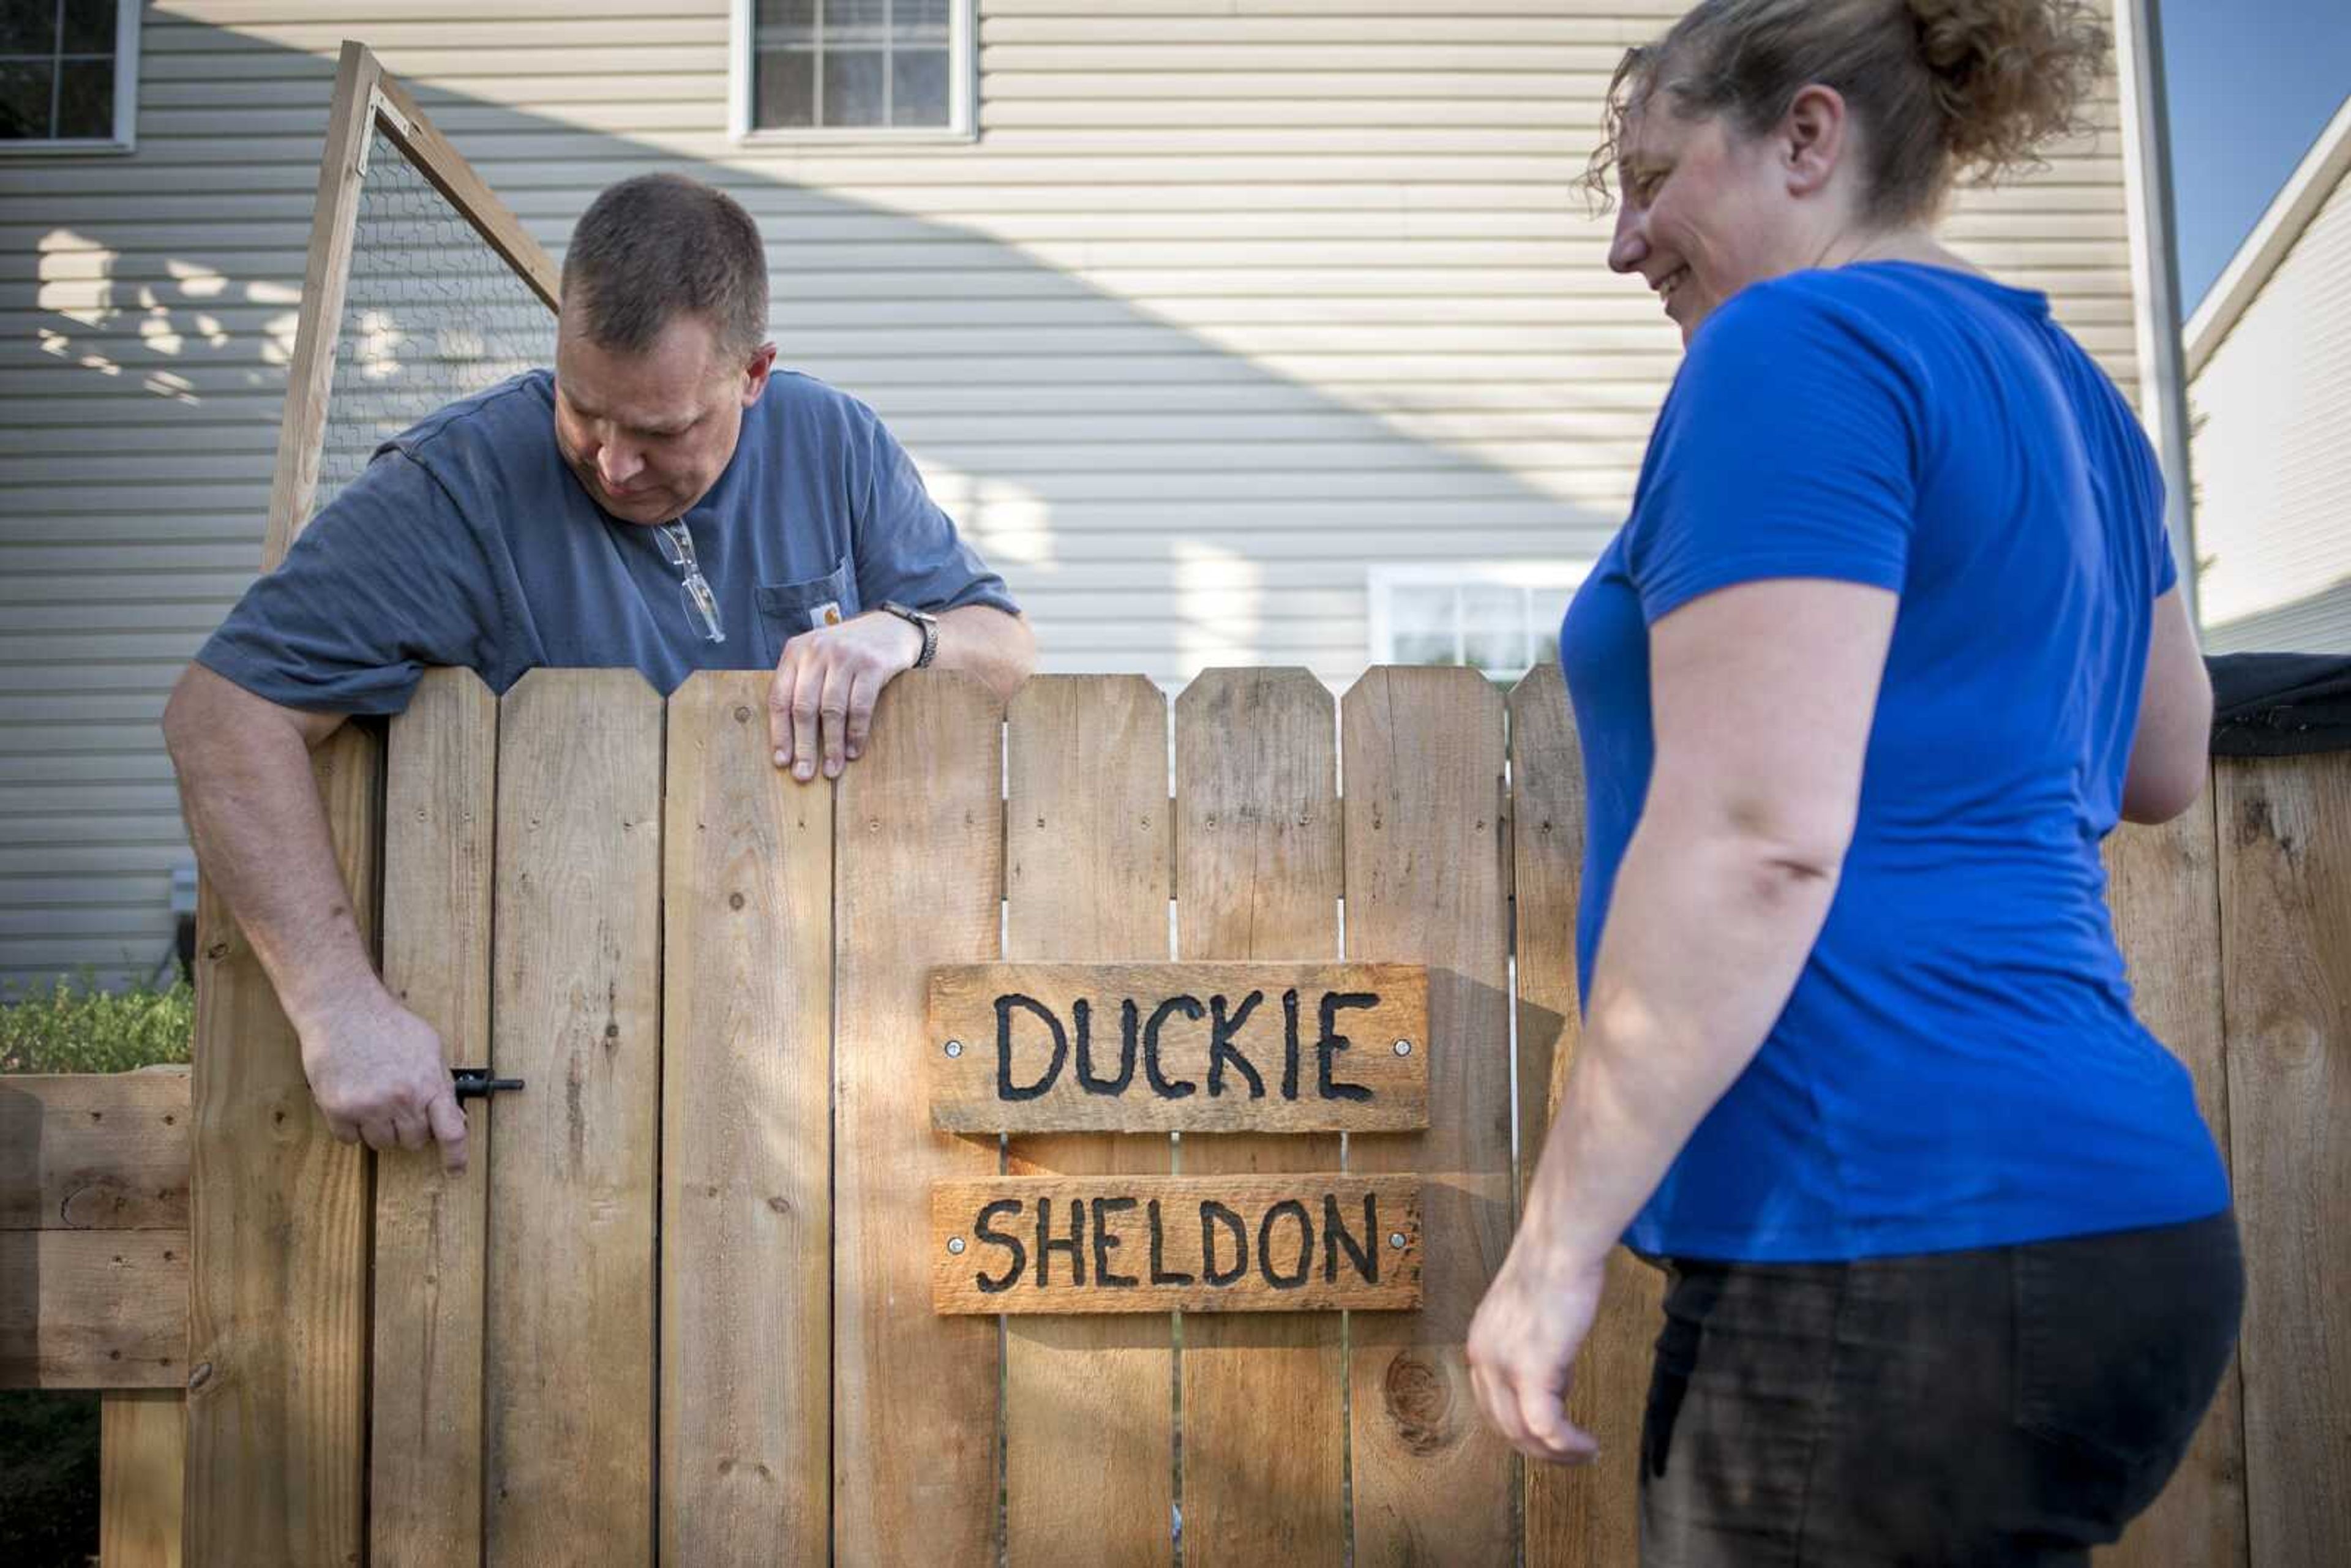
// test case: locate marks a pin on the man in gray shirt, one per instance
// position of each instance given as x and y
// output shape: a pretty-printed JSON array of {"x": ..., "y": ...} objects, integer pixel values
[{"x": 665, "y": 500}]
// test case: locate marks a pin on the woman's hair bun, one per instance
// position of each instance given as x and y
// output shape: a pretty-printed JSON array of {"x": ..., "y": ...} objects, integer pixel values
[{"x": 2009, "y": 75}]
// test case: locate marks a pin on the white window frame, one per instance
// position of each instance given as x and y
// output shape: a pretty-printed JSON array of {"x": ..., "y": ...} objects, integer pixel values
[
  {"x": 126, "y": 99},
  {"x": 1384, "y": 581},
  {"x": 963, "y": 88}
]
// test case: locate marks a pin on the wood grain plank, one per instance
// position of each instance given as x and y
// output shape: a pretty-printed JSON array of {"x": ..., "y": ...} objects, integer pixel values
[
  {"x": 2284, "y": 828},
  {"x": 747, "y": 1138},
  {"x": 142, "y": 1455},
  {"x": 425, "y": 1452},
  {"x": 94, "y": 1151},
  {"x": 1422, "y": 767},
  {"x": 326, "y": 279},
  {"x": 1086, "y": 879},
  {"x": 277, "y": 1291},
  {"x": 1258, "y": 860},
  {"x": 278, "y": 1223},
  {"x": 93, "y": 1308},
  {"x": 1226, "y": 1046},
  {"x": 1319, "y": 1242},
  {"x": 1582, "y": 1514},
  {"x": 918, "y": 878},
  {"x": 575, "y": 1014},
  {"x": 2163, "y": 890}
]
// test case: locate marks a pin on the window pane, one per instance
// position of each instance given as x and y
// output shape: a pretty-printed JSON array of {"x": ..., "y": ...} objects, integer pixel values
[
  {"x": 23, "y": 101},
  {"x": 853, "y": 87},
  {"x": 786, "y": 22},
  {"x": 919, "y": 21},
  {"x": 1494, "y": 635},
  {"x": 1420, "y": 624},
  {"x": 89, "y": 27},
  {"x": 918, "y": 87},
  {"x": 1546, "y": 607},
  {"x": 784, "y": 92},
  {"x": 86, "y": 101},
  {"x": 29, "y": 27},
  {"x": 856, "y": 21}
]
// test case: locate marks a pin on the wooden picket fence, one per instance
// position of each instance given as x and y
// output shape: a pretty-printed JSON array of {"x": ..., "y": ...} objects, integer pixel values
[{"x": 678, "y": 1310}]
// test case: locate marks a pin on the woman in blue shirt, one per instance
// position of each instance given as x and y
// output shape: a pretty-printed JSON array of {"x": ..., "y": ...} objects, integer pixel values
[{"x": 1890, "y": 642}]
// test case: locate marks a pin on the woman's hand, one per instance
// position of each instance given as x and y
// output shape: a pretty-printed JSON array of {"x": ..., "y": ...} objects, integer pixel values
[{"x": 1522, "y": 1346}]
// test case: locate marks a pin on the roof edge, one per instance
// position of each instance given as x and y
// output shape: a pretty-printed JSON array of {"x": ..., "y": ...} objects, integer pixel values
[{"x": 2257, "y": 259}]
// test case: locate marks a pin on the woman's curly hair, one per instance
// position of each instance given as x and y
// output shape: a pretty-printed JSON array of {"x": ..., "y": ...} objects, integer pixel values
[{"x": 1948, "y": 89}]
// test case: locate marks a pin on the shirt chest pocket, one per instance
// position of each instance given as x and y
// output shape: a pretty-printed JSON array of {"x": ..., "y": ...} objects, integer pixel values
[{"x": 789, "y": 608}]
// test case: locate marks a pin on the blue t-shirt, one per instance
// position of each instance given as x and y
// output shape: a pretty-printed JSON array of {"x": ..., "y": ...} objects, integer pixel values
[
  {"x": 1958, "y": 1065},
  {"x": 468, "y": 541}
]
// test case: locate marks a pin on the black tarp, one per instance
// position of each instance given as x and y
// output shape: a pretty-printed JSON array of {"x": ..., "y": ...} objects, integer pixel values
[{"x": 2280, "y": 705}]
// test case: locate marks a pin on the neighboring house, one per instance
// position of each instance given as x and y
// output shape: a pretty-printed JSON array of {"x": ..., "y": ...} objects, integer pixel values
[
  {"x": 1233, "y": 330},
  {"x": 2269, "y": 367}
]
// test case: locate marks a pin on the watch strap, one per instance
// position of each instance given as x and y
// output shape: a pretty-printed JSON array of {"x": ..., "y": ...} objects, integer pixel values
[{"x": 922, "y": 621}]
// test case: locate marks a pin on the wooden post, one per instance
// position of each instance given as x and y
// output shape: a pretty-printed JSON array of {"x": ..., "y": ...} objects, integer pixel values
[
  {"x": 2163, "y": 888},
  {"x": 2284, "y": 828},
  {"x": 277, "y": 1307},
  {"x": 142, "y": 1450},
  {"x": 1258, "y": 865},
  {"x": 278, "y": 1296},
  {"x": 1089, "y": 1409},
  {"x": 576, "y": 1013},
  {"x": 441, "y": 805},
  {"x": 326, "y": 277},
  {"x": 1426, "y": 884},
  {"x": 747, "y": 1138},
  {"x": 1585, "y": 1516}
]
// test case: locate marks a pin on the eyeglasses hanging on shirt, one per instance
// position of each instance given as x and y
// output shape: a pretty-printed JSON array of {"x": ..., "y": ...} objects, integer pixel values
[{"x": 701, "y": 602}]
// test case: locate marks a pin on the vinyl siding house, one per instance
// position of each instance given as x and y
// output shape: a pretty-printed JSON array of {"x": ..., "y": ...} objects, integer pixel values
[
  {"x": 2269, "y": 362},
  {"x": 1233, "y": 331}
]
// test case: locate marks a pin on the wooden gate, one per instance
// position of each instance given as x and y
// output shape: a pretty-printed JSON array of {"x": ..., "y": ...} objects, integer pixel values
[{"x": 680, "y": 1302}]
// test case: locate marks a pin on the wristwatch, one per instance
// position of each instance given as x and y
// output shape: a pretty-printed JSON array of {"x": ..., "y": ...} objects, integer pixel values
[{"x": 922, "y": 621}]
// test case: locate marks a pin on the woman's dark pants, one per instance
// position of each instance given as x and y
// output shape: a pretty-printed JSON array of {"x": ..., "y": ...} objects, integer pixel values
[{"x": 2013, "y": 1405}]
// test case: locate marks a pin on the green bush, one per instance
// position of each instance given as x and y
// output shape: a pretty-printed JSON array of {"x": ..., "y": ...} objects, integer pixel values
[{"x": 80, "y": 1028}]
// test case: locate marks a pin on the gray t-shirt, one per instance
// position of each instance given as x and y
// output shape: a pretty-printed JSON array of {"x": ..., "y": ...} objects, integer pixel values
[{"x": 468, "y": 541}]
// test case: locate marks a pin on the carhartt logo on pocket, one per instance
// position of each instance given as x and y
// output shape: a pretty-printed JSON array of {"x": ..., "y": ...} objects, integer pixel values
[{"x": 825, "y": 614}]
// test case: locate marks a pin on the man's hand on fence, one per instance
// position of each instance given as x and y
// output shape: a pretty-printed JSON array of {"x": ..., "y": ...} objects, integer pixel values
[
  {"x": 821, "y": 709},
  {"x": 377, "y": 1072}
]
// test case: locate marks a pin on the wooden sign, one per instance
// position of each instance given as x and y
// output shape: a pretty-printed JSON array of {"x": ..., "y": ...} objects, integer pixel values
[
  {"x": 1310, "y": 1242},
  {"x": 1187, "y": 1048}
]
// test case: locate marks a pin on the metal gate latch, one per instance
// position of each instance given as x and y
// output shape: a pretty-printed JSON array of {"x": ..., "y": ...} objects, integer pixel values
[{"x": 475, "y": 1083}]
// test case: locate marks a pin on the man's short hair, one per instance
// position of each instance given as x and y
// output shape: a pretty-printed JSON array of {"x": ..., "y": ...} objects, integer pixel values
[{"x": 658, "y": 246}]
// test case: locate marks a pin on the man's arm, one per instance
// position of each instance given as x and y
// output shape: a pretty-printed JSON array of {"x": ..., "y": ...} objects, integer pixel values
[
  {"x": 260, "y": 832},
  {"x": 994, "y": 645},
  {"x": 821, "y": 709}
]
